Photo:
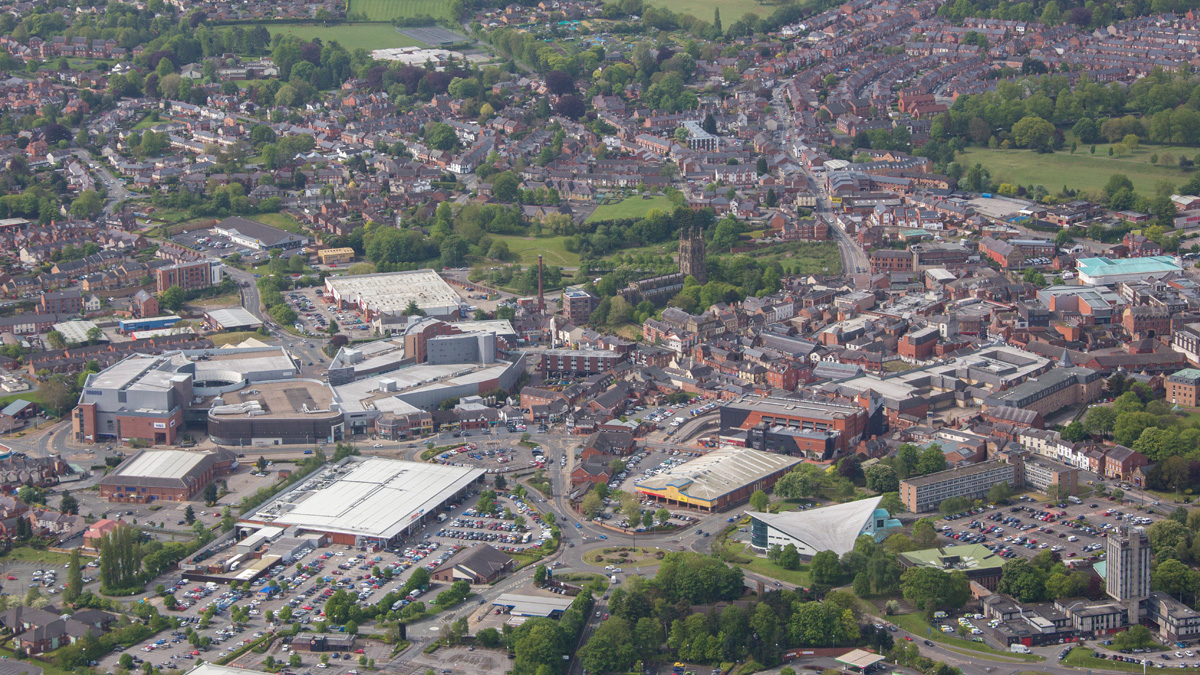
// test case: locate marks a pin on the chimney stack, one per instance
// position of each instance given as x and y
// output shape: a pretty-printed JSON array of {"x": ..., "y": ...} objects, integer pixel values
[{"x": 541, "y": 297}]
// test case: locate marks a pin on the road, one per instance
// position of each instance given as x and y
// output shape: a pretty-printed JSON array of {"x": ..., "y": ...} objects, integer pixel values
[
  {"x": 116, "y": 189},
  {"x": 853, "y": 256}
]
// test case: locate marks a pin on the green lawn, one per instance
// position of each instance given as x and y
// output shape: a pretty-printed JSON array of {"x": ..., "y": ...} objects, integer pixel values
[
  {"x": 386, "y": 10},
  {"x": 281, "y": 220},
  {"x": 633, "y": 207},
  {"x": 916, "y": 624},
  {"x": 350, "y": 35},
  {"x": 766, "y": 568},
  {"x": 1081, "y": 657},
  {"x": 802, "y": 257},
  {"x": 147, "y": 123},
  {"x": 1081, "y": 170},
  {"x": 527, "y": 249},
  {"x": 730, "y": 11},
  {"x": 27, "y": 554},
  {"x": 222, "y": 339}
]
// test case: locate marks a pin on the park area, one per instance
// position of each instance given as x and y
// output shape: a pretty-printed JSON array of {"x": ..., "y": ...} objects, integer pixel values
[
  {"x": 631, "y": 208},
  {"x": 352, "y": 36},
  {"x": 386, "y": 10},
  {"x": 527, "y": 249},
  {"x": 1082, "y": 170},
  {"x": 703, "y": 9}
]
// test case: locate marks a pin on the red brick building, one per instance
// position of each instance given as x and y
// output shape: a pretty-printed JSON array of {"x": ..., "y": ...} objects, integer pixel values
[
  {"x": 189, "y": 276},
  {"x": 918, "y": 344},
  {"x": 889, "y": 260},
  {"x": 172, "y": 475},
  {"x": 62, "y": 302}
]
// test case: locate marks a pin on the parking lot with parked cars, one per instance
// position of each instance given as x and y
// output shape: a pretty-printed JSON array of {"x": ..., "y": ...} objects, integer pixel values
[
  {"x": 307, "y": 583},
  {"x": 1073, "y": 531}
]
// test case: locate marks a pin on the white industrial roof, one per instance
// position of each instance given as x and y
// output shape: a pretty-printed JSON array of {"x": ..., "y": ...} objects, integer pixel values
[
  {"x": 829, "y": 528},
  {"x": 859, "y": 658},
  {"x": 719, "y": 472},
  {"x": 391, "y": 292},
  {"x": 532, "y": 605},
  {"x": 74, "y": 331},
  {"x": 377, "y": 497},
  {"x": 163, "y": 464},
  {"x": 234, "y": 317}
]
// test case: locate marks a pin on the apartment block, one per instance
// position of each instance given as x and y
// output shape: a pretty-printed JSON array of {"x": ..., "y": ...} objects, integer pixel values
[{"x": 924, "y": 493}]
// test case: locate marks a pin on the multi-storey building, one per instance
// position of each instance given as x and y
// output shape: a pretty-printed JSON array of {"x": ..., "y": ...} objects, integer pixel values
[
  {"x": 577, "y": 305},
  {"x": 579, "y": 361},
  {"x": 1128, "y": 557},
  {"x": 1183, "y": 387},
  {"x": 189, "y": 276},
  {"x": 792, "y": 426},
  {"x": 924, "y": 493}
]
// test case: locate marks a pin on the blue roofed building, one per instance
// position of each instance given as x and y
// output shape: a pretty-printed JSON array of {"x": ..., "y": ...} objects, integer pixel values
[{"x": 1108, "y": 271}]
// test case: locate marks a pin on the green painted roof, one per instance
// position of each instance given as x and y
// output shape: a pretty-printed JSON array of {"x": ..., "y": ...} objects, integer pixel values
[{"x": 970, "y": 557}]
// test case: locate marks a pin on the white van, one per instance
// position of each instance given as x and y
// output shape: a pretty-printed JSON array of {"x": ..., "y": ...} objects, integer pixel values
[
  {"x": 1072, "y": 538},
  {"x": 1018, "y": 649}
]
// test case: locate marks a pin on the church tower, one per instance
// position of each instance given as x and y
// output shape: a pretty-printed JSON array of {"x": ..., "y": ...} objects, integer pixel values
[{"x": 691, "y": 253}]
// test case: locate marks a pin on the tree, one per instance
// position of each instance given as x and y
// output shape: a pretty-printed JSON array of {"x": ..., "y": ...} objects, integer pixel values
[
  {"x": 87, "y": 205},
  {"x": 189, "y": 515},
  {"x": 923, "y": 533},
  {"x": 210, "y": 493},
  {"x": 1177, "y": 579},
  {"x": 759, "y": 501},
  {"x": 929, "y": 588},
  {"x": 506, "y": 187},
  {"x": 825, "y": 568},
  {"x": 56, "y": 340},
  {"x": 932, "y": 460},
  {"x": 789, "y": 558},
  {"x": 611, "y": 647},
  {"x": 539, "y": 575},
  {"x": 761, "y": 166},
  {"x": 999, "y": 493},
  {"x": 172, "y": 298},
  {"x": 74, "y": 577},
  {"x": 663, "y": 516},
  {"x": 1023, "y": 580},
  {"x": 1100, "y": 420},
  {"x": 69, "y": 505},
  {"x": 882, "y": 478}
]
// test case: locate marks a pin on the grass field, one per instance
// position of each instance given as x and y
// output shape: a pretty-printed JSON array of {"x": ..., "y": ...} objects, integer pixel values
[
  {"x": 527, "y": 249},
  {"x": 633, "y": 207},
  {"x": 803, "y": 257},
  {"x": 386, "y": 10},
  {"x": 33, "y": 555},
  {"x": 349, "y": 35},
  {"x": 703, "y": 9},
  {"x": 222, "y": 339},
  {"x": 281, "y": 220},
  {"x": 1081, "y": 170}
]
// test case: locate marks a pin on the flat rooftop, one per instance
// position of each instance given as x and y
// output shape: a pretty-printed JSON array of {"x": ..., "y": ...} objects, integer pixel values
[
  {"x": 172, "y": 464},
  {"x": 379, "y": 392},
  {"x": 796, "y": 408},
  {"x": 289, "y": 398},
  {"x": 140, "y": 373},
  {"x": 391, "y": 293},
  {"x": 965, "y": 557},
  {"x": 370, "y": 497},
  {"x": 951, "y": 474},
  {"x": 718, "y": 473},
  {"x": 532, "y": 605}
]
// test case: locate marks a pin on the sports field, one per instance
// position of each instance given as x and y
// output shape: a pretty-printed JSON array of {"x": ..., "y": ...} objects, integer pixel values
[
  {"x": 350, "y": 35},
  {"x": 1081, "y": 170},
  {"x": 386, "y": 10}
]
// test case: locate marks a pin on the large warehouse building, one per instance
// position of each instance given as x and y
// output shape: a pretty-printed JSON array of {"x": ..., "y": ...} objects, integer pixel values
[
  {"x": 172, "y": 475},
  {"x": 370, "y": 500},
  {"x": 830, "y": 528},
  {"x": 392, "y": 292},
  {"x": 258, "y": 236},
  {"x": 717, "y": 480}
]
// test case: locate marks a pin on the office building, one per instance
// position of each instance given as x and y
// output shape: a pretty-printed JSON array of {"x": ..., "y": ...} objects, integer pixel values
[
  {"x": 1183, "y": 386},
  {"x": 925, "y": 493},
  {"x": 811, "y": 428},
  {"x": 190, "y": 276},
  {"x": 1128, "y": 564},
  {"x": 978, "y": 562}
]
